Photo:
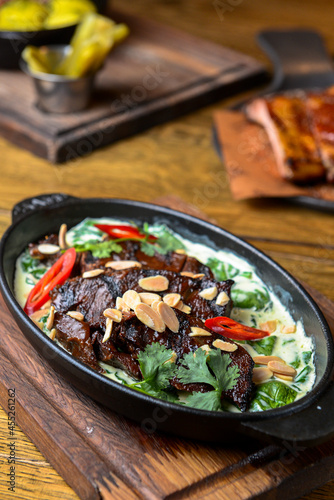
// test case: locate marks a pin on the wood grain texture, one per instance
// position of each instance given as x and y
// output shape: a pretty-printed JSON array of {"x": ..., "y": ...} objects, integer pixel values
[
  {"x": 157, "y": 74},
  {"x": 178, "y": 158}
]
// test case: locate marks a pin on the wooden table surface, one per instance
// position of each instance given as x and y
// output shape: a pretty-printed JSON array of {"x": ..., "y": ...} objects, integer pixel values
[{"x": 178, "y": 158}]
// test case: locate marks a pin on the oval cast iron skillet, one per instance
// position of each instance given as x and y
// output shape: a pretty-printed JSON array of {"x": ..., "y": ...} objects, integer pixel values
[{"x": 308, "y": 421}]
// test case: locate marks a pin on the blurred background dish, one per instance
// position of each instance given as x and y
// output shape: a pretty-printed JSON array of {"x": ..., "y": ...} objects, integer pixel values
[{"x": 13, "y": 42}]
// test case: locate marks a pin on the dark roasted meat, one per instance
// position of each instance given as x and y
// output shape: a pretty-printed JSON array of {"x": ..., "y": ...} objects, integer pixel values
[
  {"x": 321, "y": 112},
  {"x": 173, "y": 261},
  {"x": 75, "y": 336},
  {"x": 92, "y": 296},
  {"x": 286, "y": 121}
]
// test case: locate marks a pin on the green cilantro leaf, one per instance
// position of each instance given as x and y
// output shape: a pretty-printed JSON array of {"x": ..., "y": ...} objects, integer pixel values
[
  {"x": 152, "y": 360},
  {"x": 195, "y": 369},
  {"x": 209, "y": 401},
  {"x": 165, "y": 243},
  {"x": 157, "y": 370},
  {"x": 226, "y": 375},
  {"x": 99, "y": 249}
]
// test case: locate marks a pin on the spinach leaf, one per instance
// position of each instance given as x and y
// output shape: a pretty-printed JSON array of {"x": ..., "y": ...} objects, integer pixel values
[
  {"x": 272, "y": 395},
  {"x": 296, "y": 362},
  {"x": 303, "y": 375},
  {"x": 257, "y": 298},
  {"x": 32, "y": 266},
  {"x": 307, "y": 355},
  {"x": 264, "y": 346},
  {"x": 221, "y": 270}
]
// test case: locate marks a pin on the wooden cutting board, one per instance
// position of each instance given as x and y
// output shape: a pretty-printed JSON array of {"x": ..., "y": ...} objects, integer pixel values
[
  {"x": 104, "y": 456},
  {"x": 157, "y": 74}
]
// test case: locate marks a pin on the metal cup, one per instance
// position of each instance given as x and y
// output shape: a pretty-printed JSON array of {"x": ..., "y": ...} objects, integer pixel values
[{"x": 60, "y": 94}]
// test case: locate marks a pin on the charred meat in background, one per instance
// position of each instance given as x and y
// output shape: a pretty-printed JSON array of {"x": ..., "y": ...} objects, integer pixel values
[
  {"x": 321, "y": 112},
  {"x": 287, "y": 124}
]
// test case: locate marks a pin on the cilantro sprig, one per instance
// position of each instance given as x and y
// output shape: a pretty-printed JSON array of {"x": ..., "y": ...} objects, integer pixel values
[
  {"x": 214, "y": 370},
  {"x": 165, "y": 243},
  {"x": 158, "y": 369},
  {"x": 99, "y": 249}
]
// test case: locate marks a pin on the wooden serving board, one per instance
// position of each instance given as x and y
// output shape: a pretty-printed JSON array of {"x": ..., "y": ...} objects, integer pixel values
[
  {"x": 157, "y": 74},
  {"x": 102, "y": 455}
]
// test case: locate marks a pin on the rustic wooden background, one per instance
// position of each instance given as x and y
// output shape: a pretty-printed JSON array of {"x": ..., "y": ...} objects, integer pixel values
[{"x": 178, "y": 158}]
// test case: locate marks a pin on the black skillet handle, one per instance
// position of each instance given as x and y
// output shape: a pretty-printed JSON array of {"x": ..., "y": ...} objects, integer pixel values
[
  {"x": 309, "y": 427},
  {"x": 299, "y": 57},
  {"x": 37, "y": 202}
]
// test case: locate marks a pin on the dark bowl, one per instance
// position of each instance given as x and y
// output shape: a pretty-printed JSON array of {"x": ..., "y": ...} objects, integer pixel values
[
  {"x": 12, "y": 43},
  {"x": 308, "y": 420}
]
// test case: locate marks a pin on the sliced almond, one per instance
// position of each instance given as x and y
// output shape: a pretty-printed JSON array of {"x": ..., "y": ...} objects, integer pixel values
[
  {"x": 48, "y": 248},
  {"x": 205, "y": 348},
  {"x": 172, "y": 359},
  {"x": 150, "y": 318},
  {"x": 122, "y": 264},
  {"x": 93, "y": 273},
  {"x": 186, "y": 309},
  {"x": 113, "y": 314},
  {"x": 199, "y": 332},
  {"x": 179, "y": 306},
  {"x": 107, "y": 333},
  {"x": 131, "y": 298},
  {"x": 224, "y": 346},
  {"x": 148, "y": 297},
  {"x": 154, "y": 283},
  {"x": 172, "y": 299},
  {"x": 209, "y": 293},
  {"x": 187, "y": 274},
  {"x": 155, "y": 304},
  {"x": 287, "y": 378},
  {"x": 199, "y": 276},
  {"x": 121, "y": 305},
  {"x": 222, "y": 299},
  {"x": 180, "y": 251},
  {"x": 288, "y": 329},
  {"x": 62, "y": 236},
  {"x": 168, "y": 316},
  {"x": 264, "y": 360},
  {"x": 76, "y": 315},
  {"x": 38, "y": 315},
  {"x": 261, "y": 374},
  {"x": 269, "y": 326},
  {"x": 50, "y": 320},
  {"x": 53, "y": 333},
  {"x": 282, "y": 368}
]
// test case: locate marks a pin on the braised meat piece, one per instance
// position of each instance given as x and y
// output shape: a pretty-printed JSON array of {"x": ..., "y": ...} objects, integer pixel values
[
  {"x": 132, "y": 336},
  {"x": 75, "y": 336},
  {"x": 91, "y": 296},
  {"x": 172, "y": 261}
]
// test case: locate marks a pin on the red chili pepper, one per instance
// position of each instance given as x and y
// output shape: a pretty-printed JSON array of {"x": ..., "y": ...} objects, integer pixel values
[
  {"x": 124, "y": 232},
  {"x": 234, "y": 330},
  {"x": 56, "y": 275}
]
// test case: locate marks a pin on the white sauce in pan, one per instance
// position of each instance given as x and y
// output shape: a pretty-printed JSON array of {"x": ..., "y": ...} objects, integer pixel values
[{"x": 290, "y": 347}]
